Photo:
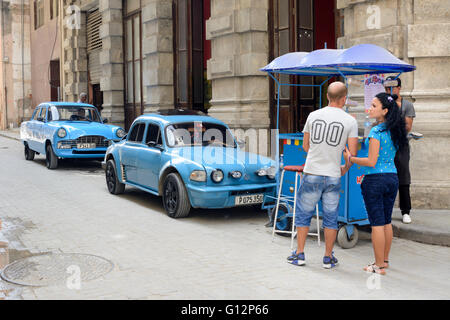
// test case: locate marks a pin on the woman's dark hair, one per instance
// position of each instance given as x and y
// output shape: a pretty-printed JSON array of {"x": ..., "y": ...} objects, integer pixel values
[{"x": 394, "y": 120}]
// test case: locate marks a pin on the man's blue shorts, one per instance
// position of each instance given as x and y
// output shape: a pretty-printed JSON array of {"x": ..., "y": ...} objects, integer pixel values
[{"x": 312, "y": 189}]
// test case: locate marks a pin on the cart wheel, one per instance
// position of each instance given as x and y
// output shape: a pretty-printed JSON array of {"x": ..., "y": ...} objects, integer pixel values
[
  {"x": 284, "y": 223},
  {"x": 344, "y": 241}
]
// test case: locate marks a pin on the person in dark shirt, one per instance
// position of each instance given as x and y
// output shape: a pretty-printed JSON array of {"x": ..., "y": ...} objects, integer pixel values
[{"x": 393, "y": 86}]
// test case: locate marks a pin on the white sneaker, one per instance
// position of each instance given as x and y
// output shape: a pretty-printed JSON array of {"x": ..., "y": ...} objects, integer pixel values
[{"x": 406, "y": 218}]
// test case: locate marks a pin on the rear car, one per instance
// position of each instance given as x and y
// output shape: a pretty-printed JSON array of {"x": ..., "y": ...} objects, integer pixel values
[{"x": 67, "y": 130}]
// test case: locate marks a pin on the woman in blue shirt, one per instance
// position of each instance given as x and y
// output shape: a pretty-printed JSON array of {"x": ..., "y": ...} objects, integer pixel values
[{"x": 380, "y": 183}]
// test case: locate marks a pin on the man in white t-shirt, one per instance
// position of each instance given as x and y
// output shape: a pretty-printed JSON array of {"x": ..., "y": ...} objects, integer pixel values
[{"x": 326, "y": 133}]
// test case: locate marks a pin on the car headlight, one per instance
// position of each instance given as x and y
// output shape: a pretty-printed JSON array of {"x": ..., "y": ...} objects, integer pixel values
[
  {"x": 120, "y": 133},
  {"x": 198, "y": 175},
  {"x": 62, "y": 132},
  {"x": 217, "y": 176},
  {"x": 236, "y": 174}
]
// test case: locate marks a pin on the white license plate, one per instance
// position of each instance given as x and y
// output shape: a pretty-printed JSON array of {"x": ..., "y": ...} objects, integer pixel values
[
  {"x": 86, "y": 145},
  {"x": 250, "y": 199}
]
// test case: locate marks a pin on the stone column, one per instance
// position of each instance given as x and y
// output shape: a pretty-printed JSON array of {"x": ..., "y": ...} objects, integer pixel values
[
  {"x": 75, "y": 53},
  {"x": 418, "y": 33},
  {"x": 111, "y": 60},
  {"x": 429, "y": 47},
  {"x": 157, "y": 50},
  {"x": 238, "y": 30}
]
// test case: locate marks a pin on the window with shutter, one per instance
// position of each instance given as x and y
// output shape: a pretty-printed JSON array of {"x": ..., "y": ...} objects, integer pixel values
[
  {"x": 191, "y": 88},
  {"x": 94, "y": 46},
  {"x": 134, "y": 93}
]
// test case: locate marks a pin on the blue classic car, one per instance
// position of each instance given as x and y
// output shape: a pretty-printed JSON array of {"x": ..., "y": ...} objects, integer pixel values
[
  {"x": 190, "y": 160},
  {"x": 67, "y": 130}
]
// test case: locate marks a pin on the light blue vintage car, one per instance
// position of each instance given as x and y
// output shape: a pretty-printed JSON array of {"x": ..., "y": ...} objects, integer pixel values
[
  {"x": 67, "y": 130},
  {"x": 191, "y": 160}
]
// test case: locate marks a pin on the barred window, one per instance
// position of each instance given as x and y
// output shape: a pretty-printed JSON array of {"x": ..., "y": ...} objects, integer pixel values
[{"x": 38, "y": 13}]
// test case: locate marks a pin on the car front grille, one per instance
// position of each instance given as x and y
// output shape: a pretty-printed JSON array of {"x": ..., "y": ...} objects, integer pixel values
[
  {"x": 248, "y": 192},
  {"x": 99, "y": 141}
]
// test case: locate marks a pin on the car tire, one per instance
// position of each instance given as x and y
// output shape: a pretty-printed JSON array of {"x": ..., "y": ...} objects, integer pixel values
[
  {"x": 112, "y": 182},
  {"x": 29, "y": 154},
  {"x": 51, "y": 160},
  {"x": 175, "y": 197}
]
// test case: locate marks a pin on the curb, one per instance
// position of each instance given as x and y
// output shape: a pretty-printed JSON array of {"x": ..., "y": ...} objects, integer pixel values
[
  {"x": 421, "y": 234},
  {"x": 9, "y": 137}
]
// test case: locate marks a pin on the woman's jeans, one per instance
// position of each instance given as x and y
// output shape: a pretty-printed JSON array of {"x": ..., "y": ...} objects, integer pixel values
[{"x": 379, "y": 192}]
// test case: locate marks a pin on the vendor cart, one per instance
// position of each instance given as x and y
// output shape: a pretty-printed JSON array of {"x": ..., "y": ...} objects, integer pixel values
[{"x": 357, "y": 60}]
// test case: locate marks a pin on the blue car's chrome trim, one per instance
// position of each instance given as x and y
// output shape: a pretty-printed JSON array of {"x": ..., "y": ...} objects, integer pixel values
[{"x": 242, "y": 187}]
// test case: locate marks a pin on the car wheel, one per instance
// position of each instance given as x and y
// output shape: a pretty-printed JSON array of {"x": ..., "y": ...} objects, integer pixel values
[
  {"x": 113, "y": 183},
  {"x": 29, "y": 154},
  {"x": 175, "y": 197},
  {"x": 51, "y": 160}
]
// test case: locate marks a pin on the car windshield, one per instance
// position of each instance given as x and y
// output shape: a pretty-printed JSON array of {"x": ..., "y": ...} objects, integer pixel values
[
  {"x": 199, "y": 134},
  {"x": 74, "y": 113}
]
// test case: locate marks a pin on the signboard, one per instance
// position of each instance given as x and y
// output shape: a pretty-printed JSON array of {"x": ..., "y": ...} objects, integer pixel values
[{"x": 373, "y": 85}]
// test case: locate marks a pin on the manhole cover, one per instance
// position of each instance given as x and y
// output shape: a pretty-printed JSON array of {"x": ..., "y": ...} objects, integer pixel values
[{"x": 55, "y": 269}]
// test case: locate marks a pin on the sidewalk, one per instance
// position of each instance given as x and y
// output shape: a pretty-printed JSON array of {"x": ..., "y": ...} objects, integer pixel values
[
  {"x": 428, "y": 226},
  {"x": 11, "y": 134}
]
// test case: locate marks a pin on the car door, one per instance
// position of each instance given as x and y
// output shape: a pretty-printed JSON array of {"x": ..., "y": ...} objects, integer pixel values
[
  {"x": 38, "y": 133},
  {"x": 149, "y": 158},
  {"x": 130, "y": 150},
  {"x": 29, "y": 127},
  {"x": 41, "y": 125}
]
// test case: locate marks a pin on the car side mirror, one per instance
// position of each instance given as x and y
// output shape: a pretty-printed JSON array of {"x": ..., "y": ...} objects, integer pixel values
[
  {"x": 105, "y": 120},
  {"x": 241, "y": 143}
]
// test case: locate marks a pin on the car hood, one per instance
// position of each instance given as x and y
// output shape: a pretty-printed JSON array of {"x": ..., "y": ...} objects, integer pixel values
[
  {"x": 228, "y": 160},
  {"x": 78, "y": 129}
]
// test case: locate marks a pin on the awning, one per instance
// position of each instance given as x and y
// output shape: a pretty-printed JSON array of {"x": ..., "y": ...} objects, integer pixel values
[{"x": 357, "y": 60}]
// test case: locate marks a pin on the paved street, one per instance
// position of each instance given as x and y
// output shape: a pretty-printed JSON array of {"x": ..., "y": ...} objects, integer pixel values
[{"x": 214, "y": 254}]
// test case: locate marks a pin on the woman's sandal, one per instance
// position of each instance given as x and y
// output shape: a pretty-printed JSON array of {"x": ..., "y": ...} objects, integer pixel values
[
  {"x": 386, "y": 264},
  {"x": 375, "y": 269}
]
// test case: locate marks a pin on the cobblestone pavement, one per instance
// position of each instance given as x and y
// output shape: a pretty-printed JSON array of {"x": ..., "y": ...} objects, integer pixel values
[{"x": 214, "y": 254}]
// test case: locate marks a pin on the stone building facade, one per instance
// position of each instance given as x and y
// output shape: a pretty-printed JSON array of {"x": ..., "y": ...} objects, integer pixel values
[{"x": 138, "y": 56}]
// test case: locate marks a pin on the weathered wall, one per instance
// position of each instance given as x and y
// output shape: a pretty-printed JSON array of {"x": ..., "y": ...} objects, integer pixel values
[
  {"x": 16, "y": 65},
  {"x": 45, "y": 45},
  {"x": 239, "y": 43}
]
